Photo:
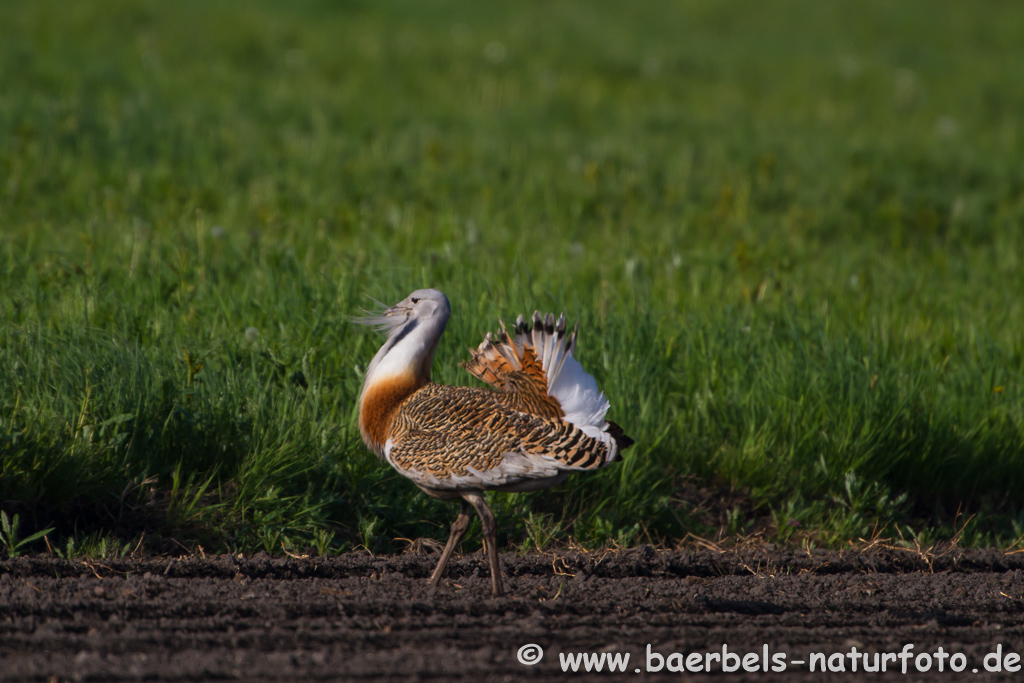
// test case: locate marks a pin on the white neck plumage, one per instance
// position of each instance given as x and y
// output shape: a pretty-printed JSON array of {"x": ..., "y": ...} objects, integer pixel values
[
  {"x": 414, "y": 326},
  {"x": 408, "y": 353}
]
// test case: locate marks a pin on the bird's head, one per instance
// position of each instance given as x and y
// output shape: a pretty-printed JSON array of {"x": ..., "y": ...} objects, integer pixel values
[{"x": 421, "y": 306}]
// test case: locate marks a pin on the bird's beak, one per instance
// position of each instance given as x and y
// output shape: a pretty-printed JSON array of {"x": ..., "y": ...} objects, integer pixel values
[{"x": 397, "y": 309}]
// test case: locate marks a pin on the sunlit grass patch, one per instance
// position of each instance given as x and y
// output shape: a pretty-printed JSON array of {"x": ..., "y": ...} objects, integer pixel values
[{"x": 792, "y": 236}]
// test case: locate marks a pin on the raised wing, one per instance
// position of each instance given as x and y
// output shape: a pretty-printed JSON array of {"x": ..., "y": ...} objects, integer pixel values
[{"x": 515, "y": 366}]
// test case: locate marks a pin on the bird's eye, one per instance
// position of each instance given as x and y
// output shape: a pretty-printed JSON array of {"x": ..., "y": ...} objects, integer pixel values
[{"x": 415, "y": 301}]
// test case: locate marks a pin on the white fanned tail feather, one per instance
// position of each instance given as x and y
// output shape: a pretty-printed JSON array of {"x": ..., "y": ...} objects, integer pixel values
[
  {"x": 573, "y": 387},
  {"x": 575, "y": 390}
]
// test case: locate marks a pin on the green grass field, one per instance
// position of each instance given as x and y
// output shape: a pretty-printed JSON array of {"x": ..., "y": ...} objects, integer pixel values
[{"x": 793, "y": 233}]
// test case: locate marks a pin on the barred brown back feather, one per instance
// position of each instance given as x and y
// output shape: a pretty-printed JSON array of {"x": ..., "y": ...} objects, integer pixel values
[{"x": 445, "y": 431}]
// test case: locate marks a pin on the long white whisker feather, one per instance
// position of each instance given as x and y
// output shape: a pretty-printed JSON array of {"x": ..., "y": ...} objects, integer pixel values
[{"x": 383, "y": 323}]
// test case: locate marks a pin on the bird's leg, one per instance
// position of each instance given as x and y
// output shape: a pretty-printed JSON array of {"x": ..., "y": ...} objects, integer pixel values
[
  {"x": 459, "y": 527},
  {"x": 490, "y": 538}
]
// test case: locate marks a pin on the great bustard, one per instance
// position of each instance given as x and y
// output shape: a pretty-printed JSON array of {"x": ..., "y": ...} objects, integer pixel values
[{"x": 545, "y": 419}]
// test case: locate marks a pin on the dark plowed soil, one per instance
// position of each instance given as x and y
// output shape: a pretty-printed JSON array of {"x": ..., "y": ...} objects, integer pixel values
[{"x": 358, "y": 617}]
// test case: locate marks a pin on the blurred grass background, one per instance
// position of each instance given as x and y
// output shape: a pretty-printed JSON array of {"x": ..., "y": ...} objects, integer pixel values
[{"x": 792, "y": 232}]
